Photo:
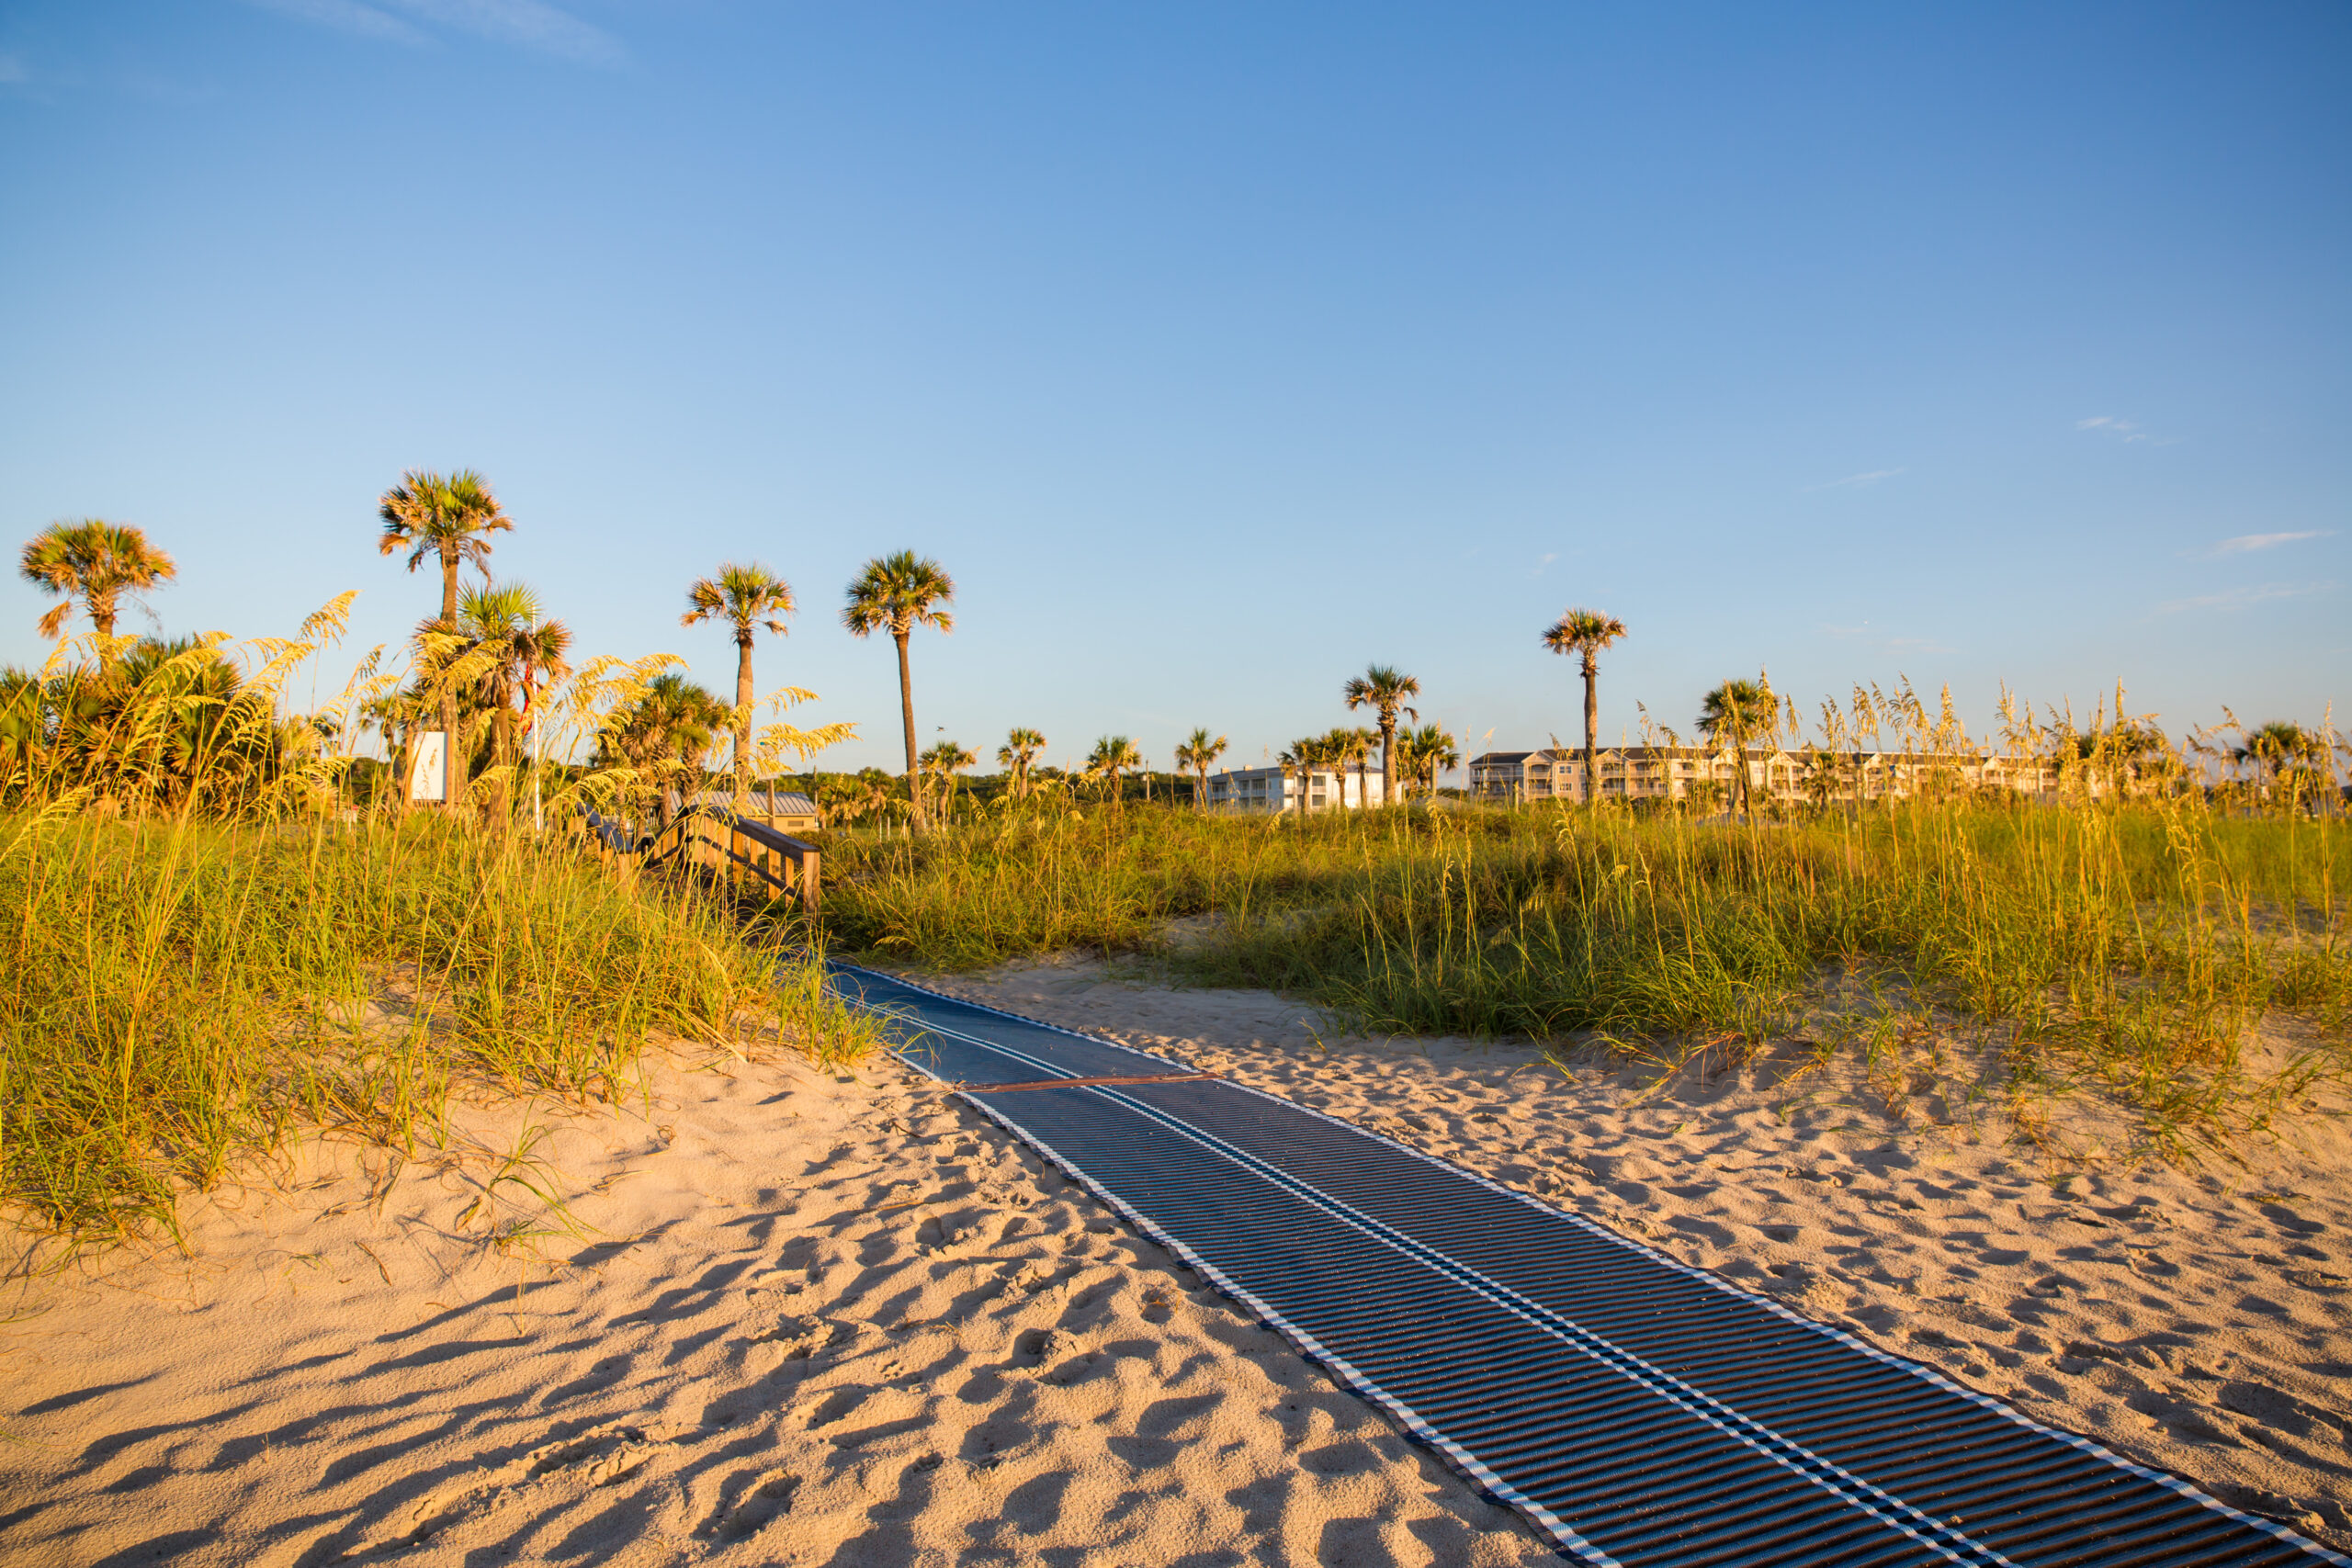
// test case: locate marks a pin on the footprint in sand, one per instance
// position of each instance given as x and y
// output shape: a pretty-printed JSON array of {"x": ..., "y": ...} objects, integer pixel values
[{"x": 758, "y": 1508}]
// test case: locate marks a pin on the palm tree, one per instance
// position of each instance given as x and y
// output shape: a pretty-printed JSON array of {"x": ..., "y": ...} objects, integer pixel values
[
  {"x": 1585, "y": 633},
  {"x": 444, "y": 518},
  {"x": 2277, "y": 749},
  {"x": 1304, "y": 757},
  {"x": 21, "y": 726},
  {"x": 96, "y": 562},
  {"x": 1016, "y": 755},
  {"x": 746, "y": 598},
  {"x": 1196, "y": 753},
  {"x": 1734, "y": 713},
  {"x": 528, "y": 652},
  {"x": 1426, "y": 752},
  {"x": 488, "y": 617},
  {"x": 1112, "y": 755},
  {"x": 946, "y": 759},
  {"x": 1385, "y": 691},
  {"x": 896, "y": 594},
  {"x": 1348, "y": 749},
  {"x": 671, "y": 724}
]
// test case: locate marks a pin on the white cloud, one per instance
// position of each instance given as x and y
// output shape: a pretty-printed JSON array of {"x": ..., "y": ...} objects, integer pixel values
[
  {"x": 2122, "y": 429},
  {"x": 2246, "y": 598},
  {"x": 345, "y": 15},
  {"x": 2245, "y": 541},
  {"x": 1855, "y": 482},
  {"x": 531, "y": 24}
]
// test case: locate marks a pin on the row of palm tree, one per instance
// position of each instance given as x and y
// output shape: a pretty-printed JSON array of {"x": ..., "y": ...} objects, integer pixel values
[
  {"x": 490, "y": 655},
  {"x": 447, "y": 519}
]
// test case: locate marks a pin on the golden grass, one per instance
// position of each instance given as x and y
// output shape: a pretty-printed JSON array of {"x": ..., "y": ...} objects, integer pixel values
[
  {"x": 204, "y": 949},
  {"x": 2137, "y": 946}
]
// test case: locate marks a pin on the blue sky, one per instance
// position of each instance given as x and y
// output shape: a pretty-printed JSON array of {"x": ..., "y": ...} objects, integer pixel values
[{"x": 1220, "y": 351}]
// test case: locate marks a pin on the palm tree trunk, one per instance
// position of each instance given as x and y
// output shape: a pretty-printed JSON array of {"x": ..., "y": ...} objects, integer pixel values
[
  {"x": 1387, "y": 758},
  {"x": 1592, "y": 732},
  {"x": 907, "y": 711},
  {"x": 743, "y": 721},
  {"x": 450, "y": 768}
]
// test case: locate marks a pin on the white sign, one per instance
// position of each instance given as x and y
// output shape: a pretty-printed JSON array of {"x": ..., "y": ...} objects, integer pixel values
[{"x": 428, "y": 772}]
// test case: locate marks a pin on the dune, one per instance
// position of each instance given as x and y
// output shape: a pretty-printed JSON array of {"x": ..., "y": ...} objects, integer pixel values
[
  {"x": 2192, "y": 1315},
  {"x": 778, "y": 1318}
]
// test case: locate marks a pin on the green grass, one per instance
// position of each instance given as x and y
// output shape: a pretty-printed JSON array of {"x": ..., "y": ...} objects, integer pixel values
[
  {"x": 2137, "y": 946},
  {"x": 177, "y": 996}
]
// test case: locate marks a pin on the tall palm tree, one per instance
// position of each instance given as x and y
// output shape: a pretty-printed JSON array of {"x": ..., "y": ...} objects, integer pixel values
[
  {"x": 1017, "y": 755},
  {"x": 1585, "y": 633},
  {"x": 1384, "y": 689},
  {"x": 896, "y": 594},
  {"x": 1734, "y": 713},
  {"x": 1426, "y": 752},
  {"x": 1199, "y": 749},
  {"x": 746, "y": 598},
  {"x": 96, "y": 562},
  {"x": 1114, "y": 755},
  {"x": 444, "y": 518}
]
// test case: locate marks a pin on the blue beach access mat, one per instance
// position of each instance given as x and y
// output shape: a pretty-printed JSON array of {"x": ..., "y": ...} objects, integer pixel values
[{"x": 1640, "y": 1412}]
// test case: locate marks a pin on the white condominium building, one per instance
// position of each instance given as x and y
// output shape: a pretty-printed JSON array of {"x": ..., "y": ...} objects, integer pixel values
[
  {"x": 1670, "y": 773},
  {"x": 1277, "y": 789}
]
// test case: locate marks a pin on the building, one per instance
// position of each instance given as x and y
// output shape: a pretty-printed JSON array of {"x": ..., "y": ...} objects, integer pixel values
[
  {"x": 1276, "y": 789},
  {"x": 1678, "y": 772},
  {"x": 787, "y": 811},
  {"x": 1515, "y": 776}
]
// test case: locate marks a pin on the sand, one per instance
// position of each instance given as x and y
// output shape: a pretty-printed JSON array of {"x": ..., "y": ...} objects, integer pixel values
[
  {"x": 806, "y": 1321},
  {"x": 809, "y": 1319},
  {"x": 2197, "y": 1316}
]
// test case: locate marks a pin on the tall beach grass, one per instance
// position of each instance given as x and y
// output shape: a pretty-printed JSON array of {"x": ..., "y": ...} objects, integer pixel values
[
  {"x": 206, "y": 949},
  {"x": 2139, "y": 944}
]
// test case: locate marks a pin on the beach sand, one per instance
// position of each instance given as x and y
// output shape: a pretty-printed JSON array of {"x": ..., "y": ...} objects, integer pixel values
[
  {"x": 2193, "y": 1317},
  {"x": 812, "y": 1319},
  {"x": 807, "y": 1321}
]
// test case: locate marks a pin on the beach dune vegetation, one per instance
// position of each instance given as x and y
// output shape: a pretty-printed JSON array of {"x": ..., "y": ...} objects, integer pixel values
[
  {"x": 212, "y": 946},
  {"x": 2140, "y": 946}
]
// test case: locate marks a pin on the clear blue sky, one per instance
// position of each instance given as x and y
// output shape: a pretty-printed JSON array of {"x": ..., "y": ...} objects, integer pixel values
[{"x": 1218, "y": 351}]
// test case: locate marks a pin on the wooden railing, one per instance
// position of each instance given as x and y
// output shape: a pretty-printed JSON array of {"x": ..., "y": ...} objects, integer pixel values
[{"x": 718, "y": 842}]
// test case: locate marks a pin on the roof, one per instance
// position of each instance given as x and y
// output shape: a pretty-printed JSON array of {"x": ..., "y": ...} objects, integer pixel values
[{"x": 763, "y": 802}]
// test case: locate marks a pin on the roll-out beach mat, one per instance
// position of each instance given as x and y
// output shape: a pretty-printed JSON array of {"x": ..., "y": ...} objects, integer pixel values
[{"x": 1638, "y": 1411}]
